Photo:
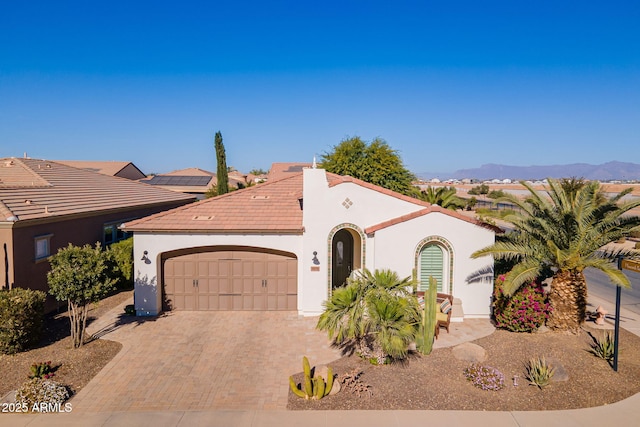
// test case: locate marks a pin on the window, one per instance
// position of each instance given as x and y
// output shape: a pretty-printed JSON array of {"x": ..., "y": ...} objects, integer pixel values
[
  {"x": 42, "y": 246},
  {"x": 112, "y": 234}
]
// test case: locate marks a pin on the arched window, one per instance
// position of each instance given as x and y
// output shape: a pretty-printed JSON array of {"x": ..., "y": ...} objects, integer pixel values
[{"x": 431, "y": 264}]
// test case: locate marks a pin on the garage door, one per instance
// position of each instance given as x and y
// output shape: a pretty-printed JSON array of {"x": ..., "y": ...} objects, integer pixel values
[{"x": 231, "y": 280}]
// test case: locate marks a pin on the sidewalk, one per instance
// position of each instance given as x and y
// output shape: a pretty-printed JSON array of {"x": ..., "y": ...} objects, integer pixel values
[{"x": 622, "y": 413}]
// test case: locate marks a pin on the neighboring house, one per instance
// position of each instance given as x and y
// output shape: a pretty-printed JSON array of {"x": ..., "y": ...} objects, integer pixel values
[
  {"x": 285, "y": 244},
  {"x": 193, "y": 181},
  {"x": 112, "y": 168},
  {"x": 45, "y": 205}
]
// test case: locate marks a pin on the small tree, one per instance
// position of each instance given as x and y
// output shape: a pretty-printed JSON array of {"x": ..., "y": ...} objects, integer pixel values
[
  {"x": 79, "y": 275},
  {"x": 222, "y": 171}
]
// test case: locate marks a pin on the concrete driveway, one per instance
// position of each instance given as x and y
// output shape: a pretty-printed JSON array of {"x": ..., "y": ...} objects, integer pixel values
[{"x": 202, "y": 360}]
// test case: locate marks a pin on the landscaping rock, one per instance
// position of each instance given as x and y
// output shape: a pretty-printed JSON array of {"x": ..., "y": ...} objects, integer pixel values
[
  {"x": 542, "y": 329},
  {"x": 469, "y": 352},
  {"x": 323, "y": 370},
  {"x": 560, "y": 374}
]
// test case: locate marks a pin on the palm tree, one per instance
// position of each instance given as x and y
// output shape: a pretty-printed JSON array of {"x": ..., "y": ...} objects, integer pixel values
[
  {"x": 374, "y": 313},
  {"x": 444, "y": 197},
  {"x": 563, "y": 231}
]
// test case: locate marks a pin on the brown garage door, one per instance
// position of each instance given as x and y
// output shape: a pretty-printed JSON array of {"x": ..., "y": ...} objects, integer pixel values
[{"x": 231, "y": 280}]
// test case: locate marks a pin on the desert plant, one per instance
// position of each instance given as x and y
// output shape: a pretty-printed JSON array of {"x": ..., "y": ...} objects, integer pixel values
[
  {"x": 564, "y": 229},
  {"x": 524, "y": 311},
  {"x": 312, "y": 387},
  {"x": 374, "y": 313},
  {"x": 39, "y": 391},
  {"x": 352, "y": 382},
  {"x": 484, "y": 377},
  {"x": 425, "y": 337},
  {"x": 604, "y": 347},
  {"x": 21, "y": 314},
  {"x": 41, "y": 370},
  {"x": 539, "y": 372}
]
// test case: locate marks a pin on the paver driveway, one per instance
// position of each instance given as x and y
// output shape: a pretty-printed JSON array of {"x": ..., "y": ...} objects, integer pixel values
[{"x": 204, "y": 360}]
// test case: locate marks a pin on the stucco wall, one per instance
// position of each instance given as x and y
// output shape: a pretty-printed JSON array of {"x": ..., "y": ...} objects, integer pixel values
[{"x": 396, "y": 248}]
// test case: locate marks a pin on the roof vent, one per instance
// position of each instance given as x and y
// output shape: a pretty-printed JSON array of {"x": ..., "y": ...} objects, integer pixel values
[
  {"x": 27, "y": 202},
  {"x": 202, "y": 218},
  {"x": 259, "y": 197},
  {"x": 9, "y": 163}
]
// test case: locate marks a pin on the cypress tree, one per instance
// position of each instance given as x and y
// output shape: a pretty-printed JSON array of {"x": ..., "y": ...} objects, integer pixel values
[{"x": 222, "y": 173}]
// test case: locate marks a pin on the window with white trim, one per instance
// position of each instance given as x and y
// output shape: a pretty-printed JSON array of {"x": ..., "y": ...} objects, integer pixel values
[{"x": 42, "y": 246}]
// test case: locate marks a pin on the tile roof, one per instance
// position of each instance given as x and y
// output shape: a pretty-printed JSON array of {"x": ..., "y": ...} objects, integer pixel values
[
  {"x": 281, "y": 170},
  {"x": 270, "y": 207},
  {"x": 106, "y": 168},
  {"x": 189, "y": 172},
  {"x": 34, "y": 189}
]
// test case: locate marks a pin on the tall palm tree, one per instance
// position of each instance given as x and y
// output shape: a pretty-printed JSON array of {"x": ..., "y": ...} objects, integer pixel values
[
  {"x": 374, "y": 313},
  {"x": 444, "y": 197},
  {"x": 563, "y": 230}
]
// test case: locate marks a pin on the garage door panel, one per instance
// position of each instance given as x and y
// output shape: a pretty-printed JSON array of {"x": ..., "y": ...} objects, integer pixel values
[{"x": 231, "y": 280}]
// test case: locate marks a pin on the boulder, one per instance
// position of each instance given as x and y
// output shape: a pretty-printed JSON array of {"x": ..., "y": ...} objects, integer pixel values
[
  {"x": 323, "y": 370},
  {"x": 469, "y": 352}
]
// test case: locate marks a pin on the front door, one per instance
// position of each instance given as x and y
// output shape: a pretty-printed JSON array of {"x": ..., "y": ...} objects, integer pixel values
[{"x": 342, "y": 257}]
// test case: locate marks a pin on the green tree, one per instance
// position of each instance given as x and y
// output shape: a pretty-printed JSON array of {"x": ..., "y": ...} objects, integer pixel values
[
  {"x": 79, "y": 275},
  {"x": 479, "y": 189},
  {"x": 258, "y": 172},
  {"x": 445, "y": 197},
  {"x": 376, "y": 163},
  {"x": 374, "y": 313},
  {"x": 222, "y": 171},
  {"x": 562, "y": 233}
]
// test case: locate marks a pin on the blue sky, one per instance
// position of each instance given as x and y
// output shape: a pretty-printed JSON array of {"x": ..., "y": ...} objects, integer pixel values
[{"x": 449, "y": 84}]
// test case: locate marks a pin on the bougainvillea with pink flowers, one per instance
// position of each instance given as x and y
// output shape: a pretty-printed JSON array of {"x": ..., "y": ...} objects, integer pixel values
[{"x": 525, "y": 311}]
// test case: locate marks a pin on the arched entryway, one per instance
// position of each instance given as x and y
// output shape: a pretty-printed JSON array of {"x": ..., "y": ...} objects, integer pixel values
[
  {"x": 341, "y": 257},
  {"x": 345, "y": 254}
]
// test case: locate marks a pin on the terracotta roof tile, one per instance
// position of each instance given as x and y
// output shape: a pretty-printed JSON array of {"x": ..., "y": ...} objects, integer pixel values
[
  {"x": 31, "y": 189},
  {"x": 282, "y": 170},
  {"x": 106, "y": 168},
  {"x": 268, "y": 207}
]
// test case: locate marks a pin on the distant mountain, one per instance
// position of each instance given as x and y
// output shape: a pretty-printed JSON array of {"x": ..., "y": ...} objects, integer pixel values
[{"x": 604, "y": 172}]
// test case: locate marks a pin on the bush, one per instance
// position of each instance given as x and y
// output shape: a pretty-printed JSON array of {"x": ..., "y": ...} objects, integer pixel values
[
  {"x": 42, "y": 370},
  {"x": 637, "y": 245},
  {"x": 484, "y": 377},
  {"x": 21, "y": 314},
  {"x": 524, "y": 311},
  {"x": 37, "y": 391},
  {"x": 120, "y": 259}
]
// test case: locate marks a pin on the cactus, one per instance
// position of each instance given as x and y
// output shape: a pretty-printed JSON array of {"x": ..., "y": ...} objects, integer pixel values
[
  {"x": 425, "y": 343},
  {"x": 312, "y": 387}
]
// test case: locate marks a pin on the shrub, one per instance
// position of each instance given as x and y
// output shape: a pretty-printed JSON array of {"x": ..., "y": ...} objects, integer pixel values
[
  {"x": 539, "y": 372},
  {"x": 120, "y": 260},
  {"x": 37, "y": 391},
  {"x": 637, "y": 245},
  {"x": 525, "y": 311},
  {"x": 41, "y": 370},
  {"x": 603, "y": 348},
  {"x": 21, "y": 313},
  {"x": 484, "y": 377}
]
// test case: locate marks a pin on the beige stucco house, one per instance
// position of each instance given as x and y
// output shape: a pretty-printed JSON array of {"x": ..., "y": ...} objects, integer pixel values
[{"x": 285, "y": 244}]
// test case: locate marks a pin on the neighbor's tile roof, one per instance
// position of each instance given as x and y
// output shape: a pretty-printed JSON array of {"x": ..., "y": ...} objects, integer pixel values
[
  {"x": 270, "y": 207},
  {"x": 281, "y": 170},
  {"x": 107, "y": 167},
  {"x": 34, "y": 189}
]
